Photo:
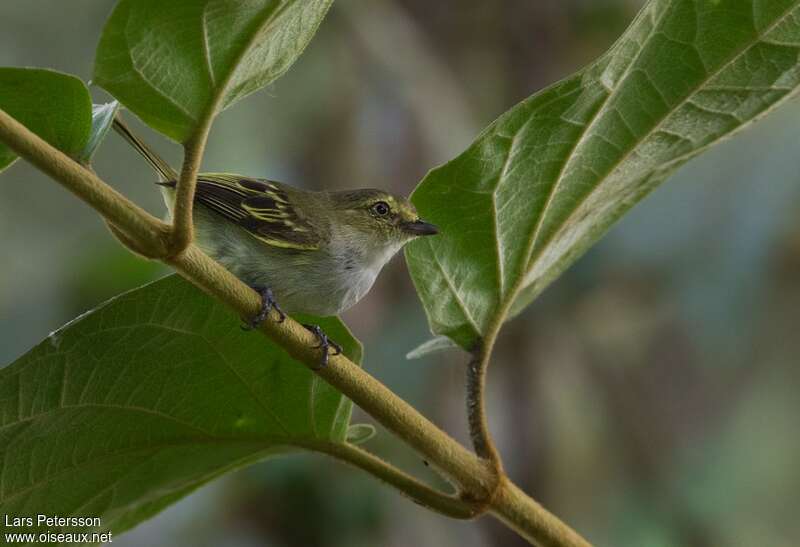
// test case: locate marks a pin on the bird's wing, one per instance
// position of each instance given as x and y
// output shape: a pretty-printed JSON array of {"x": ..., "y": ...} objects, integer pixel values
[{"x": 259, "y": 206}]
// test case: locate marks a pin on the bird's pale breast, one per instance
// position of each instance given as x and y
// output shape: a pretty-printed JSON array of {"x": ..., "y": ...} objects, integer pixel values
[{"x": 320, "y": 282}]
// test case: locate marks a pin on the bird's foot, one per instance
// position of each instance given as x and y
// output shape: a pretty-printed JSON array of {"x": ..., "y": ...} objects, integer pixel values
[
  {"x": 325, "y": 344},
  {"x": 267, "y": 304}
]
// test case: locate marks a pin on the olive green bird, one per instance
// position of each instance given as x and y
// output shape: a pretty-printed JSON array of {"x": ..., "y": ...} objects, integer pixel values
[{"x": 312, "y": 252}]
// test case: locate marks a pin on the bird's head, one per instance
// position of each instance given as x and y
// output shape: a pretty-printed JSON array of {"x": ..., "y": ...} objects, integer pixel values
[{"x": 384, "y": 218}]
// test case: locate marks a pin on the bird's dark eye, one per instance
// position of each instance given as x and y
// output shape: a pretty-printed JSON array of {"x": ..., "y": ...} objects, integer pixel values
[{"x": 381, "y": 209}]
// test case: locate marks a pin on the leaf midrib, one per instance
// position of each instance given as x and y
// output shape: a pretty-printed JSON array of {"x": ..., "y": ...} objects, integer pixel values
[
  {"x": 462, "y": 306},
  {"x": 274, "y": 12},
  {"x": 270, "y": 441},
  {"x": 531, "y": 244},
  {"x": 218, "y": 90},
  {"x": 82, "y": 406},
  {"x": 268, "y": 412},
  {"x": 531, "y": 259},
  {"x": 507, "y": 300},
  {"x": 758, "y": 38}
]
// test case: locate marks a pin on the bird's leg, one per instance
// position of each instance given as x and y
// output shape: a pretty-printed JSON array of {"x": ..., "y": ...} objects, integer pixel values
[
  {"x": 267, "y": 304},
  {"x": 325, "y": 344}
]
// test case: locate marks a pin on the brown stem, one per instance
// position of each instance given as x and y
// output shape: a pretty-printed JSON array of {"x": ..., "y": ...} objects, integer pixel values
[
  {"x": 420, "y": 493},
  {"x": 530, "y": 520},
  {"x": 476, "y": 408}
]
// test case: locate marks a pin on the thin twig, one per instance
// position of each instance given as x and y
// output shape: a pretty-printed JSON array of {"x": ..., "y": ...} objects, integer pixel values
[
  {"x": 449, "y": 505},
  {"x": 182, "y": 233},
  {"x": 476, "y": 407}
]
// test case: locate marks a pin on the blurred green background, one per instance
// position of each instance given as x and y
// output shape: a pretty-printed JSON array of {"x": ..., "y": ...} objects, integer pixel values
[{"x": 650, "y": 397}]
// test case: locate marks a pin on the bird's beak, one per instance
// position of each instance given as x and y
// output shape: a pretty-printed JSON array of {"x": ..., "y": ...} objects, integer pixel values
[{"x": 420, "y": 228}]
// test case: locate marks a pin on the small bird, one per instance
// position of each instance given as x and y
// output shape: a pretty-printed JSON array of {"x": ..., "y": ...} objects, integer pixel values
[{"x": 312, "y": 252}]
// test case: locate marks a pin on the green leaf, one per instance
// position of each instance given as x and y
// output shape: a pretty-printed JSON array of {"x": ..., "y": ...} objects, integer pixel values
[
  {"x": 55, "y": 106},
  {"x": 177, "y": 63},
  {"x": 360, "y": 433},
  {"x": 436, "y": 344},
  {"x": 542, "y": 183},
  {"x": 137, "y": 403},
  {"x": 102, "y": 119}
]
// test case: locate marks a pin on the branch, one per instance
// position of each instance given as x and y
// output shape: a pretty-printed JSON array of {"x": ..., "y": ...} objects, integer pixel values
[
  {"x": 182, "y": 220},
  {"x": 476, "y": 401},
  {"x": 420, "y": 493},
  {"x": 530, "y": 520},
  {"x": 476, "y": 480},
  {"x": 476, "y": 406},
  {"x": 193, "y": 149},
  {"x": 149, "y": 232}
]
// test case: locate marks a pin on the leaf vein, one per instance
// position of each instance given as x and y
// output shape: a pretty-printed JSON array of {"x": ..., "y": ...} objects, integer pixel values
[
  {"x": 531, "y": 244},
  {"x": 757, "y": 39},
  {"x": 456, "y": 296}
]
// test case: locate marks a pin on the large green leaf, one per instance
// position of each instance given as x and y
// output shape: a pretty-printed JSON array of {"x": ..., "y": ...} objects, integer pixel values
[
  {"x": 55, "y": 106},
  {"x": 135, "y": 404},
  {"x": 176, "y": 63},
  {"x": 548, "y": 178}
]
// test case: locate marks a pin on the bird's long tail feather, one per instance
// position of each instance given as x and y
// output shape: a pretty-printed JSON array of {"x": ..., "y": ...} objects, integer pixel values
[{"x": 164, "y": 170}]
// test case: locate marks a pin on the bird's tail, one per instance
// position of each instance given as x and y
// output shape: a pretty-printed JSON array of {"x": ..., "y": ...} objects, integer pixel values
[{"x": 165, "y": 172}]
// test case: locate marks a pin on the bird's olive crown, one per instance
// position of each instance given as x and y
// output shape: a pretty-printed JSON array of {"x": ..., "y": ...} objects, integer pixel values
[{"x": 377, "y": 210}]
